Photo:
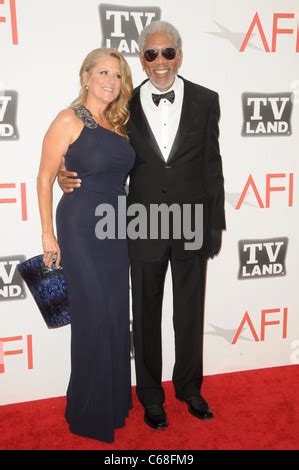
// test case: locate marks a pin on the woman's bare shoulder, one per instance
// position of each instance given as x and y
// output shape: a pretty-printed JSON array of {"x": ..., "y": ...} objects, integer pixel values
[{"x": 67, "y": 116}]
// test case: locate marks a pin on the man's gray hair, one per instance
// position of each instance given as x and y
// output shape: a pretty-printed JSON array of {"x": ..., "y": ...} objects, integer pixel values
[{"x": 160, "y": 27}]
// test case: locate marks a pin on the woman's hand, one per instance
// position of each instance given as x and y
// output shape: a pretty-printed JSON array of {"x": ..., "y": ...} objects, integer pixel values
[{"x": 51, "y": 250}]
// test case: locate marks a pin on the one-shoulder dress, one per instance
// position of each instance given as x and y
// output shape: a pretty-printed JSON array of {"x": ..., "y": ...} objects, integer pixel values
[{"x": 97, "y": 279}]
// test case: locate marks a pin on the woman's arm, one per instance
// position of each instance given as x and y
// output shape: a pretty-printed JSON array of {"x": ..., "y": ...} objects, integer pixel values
[{"x": 56, "y": 142}]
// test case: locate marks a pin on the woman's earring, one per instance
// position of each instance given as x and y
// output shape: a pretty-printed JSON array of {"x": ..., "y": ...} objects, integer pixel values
[{"x": 86, "y": 87}]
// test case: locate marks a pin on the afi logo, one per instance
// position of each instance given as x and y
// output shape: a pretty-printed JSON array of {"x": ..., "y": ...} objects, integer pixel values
[
  {"x": 271, "y": 45},
  {"x": 121, "y": 26},
  {"x": 267, "y": 114},
  {"x": 11, "y": 283},
  {"x": 27, "y": 351},
  {"x": 252, "y": 186},
  {"x": 282, "y": 314},
  {"x": 10, "y": 17},
  {"x": 262, "y": 258},
  {"x": 8, "y": 112},
  {"x": 22, "y": 194}
]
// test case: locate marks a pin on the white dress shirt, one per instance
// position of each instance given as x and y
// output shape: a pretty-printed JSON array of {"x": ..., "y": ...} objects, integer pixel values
[{"x": 163, "y": 119}]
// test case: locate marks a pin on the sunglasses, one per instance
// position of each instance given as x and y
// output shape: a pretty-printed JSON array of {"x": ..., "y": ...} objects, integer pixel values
[{"x": 168, "y": 53}]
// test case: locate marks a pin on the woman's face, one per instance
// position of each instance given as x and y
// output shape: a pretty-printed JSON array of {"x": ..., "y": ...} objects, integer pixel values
[{"x": 104, "y": 80}]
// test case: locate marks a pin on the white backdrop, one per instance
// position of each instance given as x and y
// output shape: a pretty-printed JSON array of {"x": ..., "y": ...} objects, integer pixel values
[{"x": 42, "y": 45}]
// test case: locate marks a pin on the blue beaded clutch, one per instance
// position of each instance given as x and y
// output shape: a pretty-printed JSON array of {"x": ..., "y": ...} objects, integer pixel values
[{"x": 47, "y": 286}]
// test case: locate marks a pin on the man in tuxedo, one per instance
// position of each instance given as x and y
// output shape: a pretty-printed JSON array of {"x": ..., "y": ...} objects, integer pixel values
[{"x": 173, "y": 129}]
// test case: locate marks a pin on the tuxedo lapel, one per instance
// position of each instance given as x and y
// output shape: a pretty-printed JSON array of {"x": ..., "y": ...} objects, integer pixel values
[
  {"x": 188, "y": 113},
  {"x": 138, "y": 118},
  {"x": 140, "y": 121}
]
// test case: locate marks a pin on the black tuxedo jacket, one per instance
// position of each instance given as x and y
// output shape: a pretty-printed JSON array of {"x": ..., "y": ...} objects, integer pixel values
[{"x": 191, "y": 175}]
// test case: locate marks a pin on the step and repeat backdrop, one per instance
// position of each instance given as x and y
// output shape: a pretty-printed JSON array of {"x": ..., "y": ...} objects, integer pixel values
[{"x": 248, "y": 51}]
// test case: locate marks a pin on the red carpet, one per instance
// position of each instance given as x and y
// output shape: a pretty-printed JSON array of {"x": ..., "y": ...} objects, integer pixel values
[{"x": 253, "y": 410}]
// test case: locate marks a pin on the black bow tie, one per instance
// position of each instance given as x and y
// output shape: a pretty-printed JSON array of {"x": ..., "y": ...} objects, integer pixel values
[{"x": 168, "y": 96}]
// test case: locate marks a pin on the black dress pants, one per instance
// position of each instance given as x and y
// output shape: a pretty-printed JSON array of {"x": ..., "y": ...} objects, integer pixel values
[{"x": 188, "y": 278}]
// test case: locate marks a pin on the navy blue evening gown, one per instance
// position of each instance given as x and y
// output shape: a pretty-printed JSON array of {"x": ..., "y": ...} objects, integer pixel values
[{"x": 97, "y": 278}]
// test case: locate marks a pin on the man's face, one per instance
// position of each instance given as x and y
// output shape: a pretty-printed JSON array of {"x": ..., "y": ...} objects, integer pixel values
[{"x": 161, "y": 72}]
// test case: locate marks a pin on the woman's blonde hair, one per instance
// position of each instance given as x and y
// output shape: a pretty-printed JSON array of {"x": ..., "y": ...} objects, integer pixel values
[{"x": 117, "y": 112}]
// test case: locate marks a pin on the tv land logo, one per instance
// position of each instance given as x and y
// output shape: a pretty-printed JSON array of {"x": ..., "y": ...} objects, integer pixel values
[
  {"x": 267, "y": 114},
  {"x": 11, "y": 284},
  {"x": 26, "y": 351},
  {"x": 8, "y": 14},
  {"x": 257, "y": 27},
  {"x": 264, "y": 198},
  {"x": 8, "y": 113},
  {"x": 262, "y": 258},
  {"x": 121, "y": 26}
]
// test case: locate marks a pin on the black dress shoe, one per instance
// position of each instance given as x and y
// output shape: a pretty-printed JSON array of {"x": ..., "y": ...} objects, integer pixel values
[
  {"x": 155, "y": 416},
  {"x": 198, "y": 407}
]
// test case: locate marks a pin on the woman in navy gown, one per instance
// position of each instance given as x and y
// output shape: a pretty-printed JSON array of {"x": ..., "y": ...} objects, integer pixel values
[{"x": 91, "y": 137}]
